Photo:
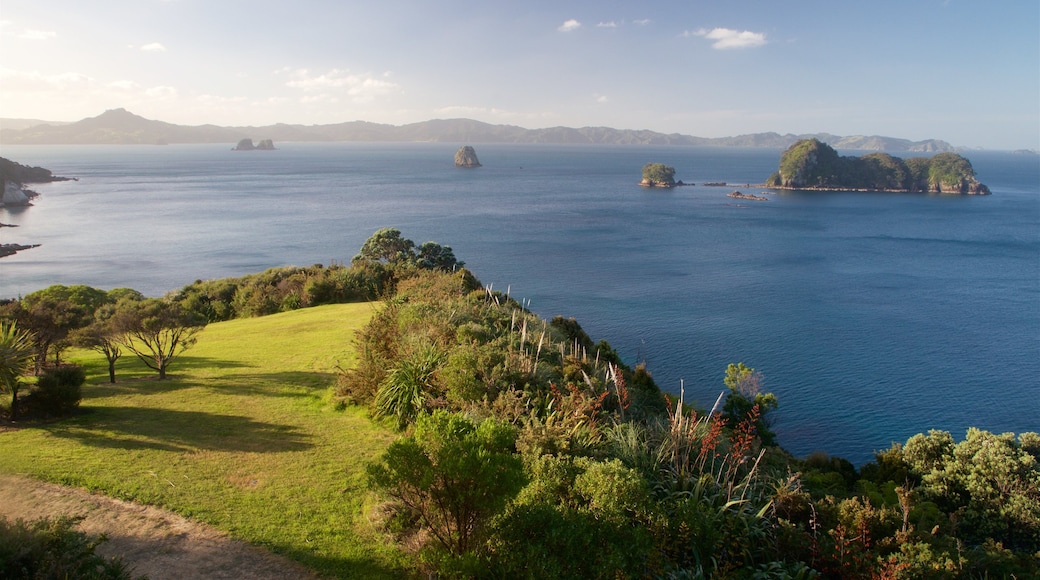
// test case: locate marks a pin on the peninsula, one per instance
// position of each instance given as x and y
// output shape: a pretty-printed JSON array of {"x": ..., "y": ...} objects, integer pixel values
[
  {"x": 814, "y": 165},
  {"x": 13, "y": 177}
]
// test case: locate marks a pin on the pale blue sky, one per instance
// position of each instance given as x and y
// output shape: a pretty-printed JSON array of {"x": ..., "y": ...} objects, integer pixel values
[{"x": 967, "y": 72}]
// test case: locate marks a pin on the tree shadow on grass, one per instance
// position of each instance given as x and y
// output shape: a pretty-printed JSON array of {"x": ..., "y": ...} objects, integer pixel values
[
  {"x": 164, "y": 429},
  {"x": 345, "y": 567},
  {"x": 284, "y": 385}
]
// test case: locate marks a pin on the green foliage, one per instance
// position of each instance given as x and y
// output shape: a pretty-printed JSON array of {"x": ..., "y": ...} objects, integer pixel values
[
  {"x": 949, "y": 170},
  {"x": 16, "y": 357},
  {"x": 990, "y": 481},
  {"x": 577, "y": 518},
  {"x": 57, "y": 392},
  {"x": 404, "y": 391},
  {"x": 658, "y": 175},
  {"x": 745, "y": 393},
  {"x": 156, "y": 330},
  {"x": 387, "y": 246},
  {"x": 52, "y": 549},
  {"x": 454, "y": 475}
]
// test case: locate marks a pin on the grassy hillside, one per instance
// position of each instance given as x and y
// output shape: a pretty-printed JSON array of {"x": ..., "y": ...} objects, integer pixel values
[{"x": 241, "y": 437}]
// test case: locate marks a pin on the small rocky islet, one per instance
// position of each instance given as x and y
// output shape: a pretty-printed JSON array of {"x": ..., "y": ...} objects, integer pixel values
[{"x": 466, "y": 156}]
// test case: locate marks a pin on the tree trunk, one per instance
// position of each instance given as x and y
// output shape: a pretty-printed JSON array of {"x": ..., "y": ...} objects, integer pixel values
[{"x": 112, "y": 370}]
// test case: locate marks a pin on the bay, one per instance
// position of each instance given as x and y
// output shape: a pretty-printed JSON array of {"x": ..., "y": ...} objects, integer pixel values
[{"x": 871, "y": 316}]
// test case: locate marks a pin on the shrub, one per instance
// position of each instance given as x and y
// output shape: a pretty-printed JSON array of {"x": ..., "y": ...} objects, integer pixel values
[
  {"x": 50, "y": 548},
  {"x": 58, "y": 391},
  {"x": 454, "y": 475}
]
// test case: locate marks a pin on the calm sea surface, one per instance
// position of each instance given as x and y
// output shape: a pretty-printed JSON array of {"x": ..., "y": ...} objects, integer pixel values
[{"x": 871, "y": 316}]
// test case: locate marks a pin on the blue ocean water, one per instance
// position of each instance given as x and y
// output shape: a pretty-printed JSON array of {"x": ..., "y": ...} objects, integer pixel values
[{"x": 871, "y": 316}]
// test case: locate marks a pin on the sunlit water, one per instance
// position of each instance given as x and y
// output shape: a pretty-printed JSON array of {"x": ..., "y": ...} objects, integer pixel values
[{"x": 871, "y": 316}]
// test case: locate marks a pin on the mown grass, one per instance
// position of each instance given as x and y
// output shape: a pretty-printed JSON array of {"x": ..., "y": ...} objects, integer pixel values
[{"x": 241, "y": 436}]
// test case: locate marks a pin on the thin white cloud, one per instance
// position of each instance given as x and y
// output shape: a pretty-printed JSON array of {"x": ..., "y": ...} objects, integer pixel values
[
  {"x": 727, "y": 38},
  {"x": 14, "y": 80},
  {"x": 610, "y": 24},
  {"x": 467, "y": 111},
  {"x": 154, "y": 47},
  {"x": 38, "y": 34},
  {"x": 569, "y": 26},
  {"x": 601, "y": 98},
  {"x": 642, "y": 21},
  {"x": 360, "y": 87},
  {"x": 125, "y": 85},
  {"x": 161, "y": 92}
]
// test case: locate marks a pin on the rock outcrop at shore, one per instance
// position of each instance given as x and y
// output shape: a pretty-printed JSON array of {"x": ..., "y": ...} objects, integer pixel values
[
  {"x": 14, "y": 176},
  {"x": 812, "y": 164},
  {"x": 466, "y": 156}
]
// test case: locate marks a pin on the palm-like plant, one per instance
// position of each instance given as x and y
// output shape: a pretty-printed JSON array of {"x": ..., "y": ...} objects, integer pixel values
[
  {"x": 403, "y": 393},
  {"x": 17, "y": 350}
]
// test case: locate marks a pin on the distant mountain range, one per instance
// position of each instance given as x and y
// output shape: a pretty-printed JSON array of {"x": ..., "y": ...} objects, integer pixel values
[{"x": 119, "y": 126}]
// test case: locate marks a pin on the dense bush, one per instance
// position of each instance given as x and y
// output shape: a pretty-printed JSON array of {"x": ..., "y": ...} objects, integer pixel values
[
  {"x": 58, "y": 392},
  {"x": 52, "y": 549}
]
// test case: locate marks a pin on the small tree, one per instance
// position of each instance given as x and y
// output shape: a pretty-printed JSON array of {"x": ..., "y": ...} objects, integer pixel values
[
  {"x": 102, "y": 336},
  {"x": 17, "y": 350},
  {"x": 156, "y": 331},
  {"x": 454, "y": 475}
]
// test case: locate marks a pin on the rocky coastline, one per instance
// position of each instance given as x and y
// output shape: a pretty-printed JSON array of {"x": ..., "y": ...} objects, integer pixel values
[{"x": 13, "y": 177}]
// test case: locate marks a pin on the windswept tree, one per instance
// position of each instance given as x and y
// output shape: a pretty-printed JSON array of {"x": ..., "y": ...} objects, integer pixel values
[
  {"x": 102, "y": 336},
  {"x": 17, "y": 350},
  {"x": 156, "y": 330}
]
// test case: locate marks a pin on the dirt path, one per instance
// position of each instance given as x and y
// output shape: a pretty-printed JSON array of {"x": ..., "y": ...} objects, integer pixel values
[{"x": 158, "y": 543}]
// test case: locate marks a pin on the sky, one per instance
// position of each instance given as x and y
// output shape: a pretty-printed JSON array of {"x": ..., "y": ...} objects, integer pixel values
[{"x": 964, "y": 71}]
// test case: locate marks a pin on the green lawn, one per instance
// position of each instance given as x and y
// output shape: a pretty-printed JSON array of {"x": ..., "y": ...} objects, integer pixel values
[{"x": 241, "y": 436}]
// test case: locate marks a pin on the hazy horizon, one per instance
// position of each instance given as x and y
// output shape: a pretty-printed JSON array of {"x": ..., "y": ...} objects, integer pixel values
[{"x": 967, "y": 73}]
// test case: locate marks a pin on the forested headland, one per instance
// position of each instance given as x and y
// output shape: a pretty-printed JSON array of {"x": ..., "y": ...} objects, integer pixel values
[{"x": 525, "y": 448}]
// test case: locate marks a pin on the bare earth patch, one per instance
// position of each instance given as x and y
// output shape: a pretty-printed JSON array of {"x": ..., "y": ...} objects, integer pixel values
[{"x": 158, "y": 543}]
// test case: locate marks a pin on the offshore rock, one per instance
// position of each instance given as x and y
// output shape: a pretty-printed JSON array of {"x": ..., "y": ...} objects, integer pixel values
[
  {"x": 466, "y": 157},
  {"x": 247, "y": 145}
]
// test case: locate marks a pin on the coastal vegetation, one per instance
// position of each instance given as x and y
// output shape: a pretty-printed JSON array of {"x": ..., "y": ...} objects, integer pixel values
[
  {"x": 812, "y": 164},
  {"x": 436, "y": 425}
]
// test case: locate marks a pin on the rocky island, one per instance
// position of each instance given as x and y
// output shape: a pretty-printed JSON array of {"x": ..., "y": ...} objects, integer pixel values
[
  {"x": 247, "y": 145},
  {"x": 466, "y": 156},
  {"x": 812, "y": 164},
  {"x": 658, "y": 175}
]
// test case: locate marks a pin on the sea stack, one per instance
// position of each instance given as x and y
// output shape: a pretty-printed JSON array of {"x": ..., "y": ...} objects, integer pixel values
[{"x": 466, "y": 157}]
